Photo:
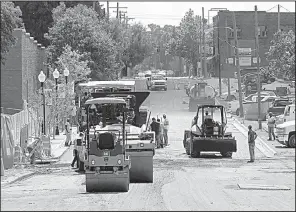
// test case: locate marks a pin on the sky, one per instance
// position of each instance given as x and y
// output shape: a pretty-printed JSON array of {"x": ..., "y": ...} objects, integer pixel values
[{"x": 171, "y": 13}]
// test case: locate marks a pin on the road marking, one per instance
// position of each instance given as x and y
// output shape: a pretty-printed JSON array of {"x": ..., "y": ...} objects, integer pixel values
[
  {"x": 262, "y": 187},
  {"x": 260, "y": 144}
]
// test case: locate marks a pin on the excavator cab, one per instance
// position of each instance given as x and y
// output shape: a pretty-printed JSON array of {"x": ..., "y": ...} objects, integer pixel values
[{"x": 108, "y": 165}]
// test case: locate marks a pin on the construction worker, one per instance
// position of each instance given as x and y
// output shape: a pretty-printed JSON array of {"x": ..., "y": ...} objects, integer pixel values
[
  {"x": 160, "y": 133},
  {"x": 252, "y": 135},
  {"x": 155, "y": 127},
  {"x": 165, "y": 130},
  {"x": 271, "y": 126},
  {"x": 75, "y": 152},
  {"x": 193, "y": 91},
  {"x": 68, "y": 132}
]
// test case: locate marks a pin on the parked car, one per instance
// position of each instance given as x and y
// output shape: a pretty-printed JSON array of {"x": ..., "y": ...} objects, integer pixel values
[
  {"x": 285, "y": 133},
  {"x": 278, "y": 106},
  {"x": 233, "y": 106}
]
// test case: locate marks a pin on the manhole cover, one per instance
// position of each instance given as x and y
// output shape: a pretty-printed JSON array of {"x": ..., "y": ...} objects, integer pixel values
[{"x": 262, "y": 187}]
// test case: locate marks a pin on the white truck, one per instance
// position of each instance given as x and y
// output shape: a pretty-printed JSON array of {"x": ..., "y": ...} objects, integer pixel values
[
  {"x": 155, "y": 82},
  {"x": 289, "y": 114},
  {"x": 285, "y": 133}
]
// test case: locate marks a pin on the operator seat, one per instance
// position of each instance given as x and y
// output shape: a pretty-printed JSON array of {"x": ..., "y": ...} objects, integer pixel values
[
  {"x": 209, "y": 126},
  {"x": 106, "y": 141}
]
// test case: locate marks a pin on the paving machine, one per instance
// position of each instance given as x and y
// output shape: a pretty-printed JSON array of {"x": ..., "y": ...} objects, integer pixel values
[
  {"x": 208, "y": 134},
  {"x": 108, "y": 164},
  {"x": 201, "y": 94}
]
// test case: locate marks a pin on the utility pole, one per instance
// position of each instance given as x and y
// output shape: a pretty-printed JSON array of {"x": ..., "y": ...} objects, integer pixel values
[
  {"x": 258, "y": 69},
  {"x": 127, "y": 19},
  {"x": 122, "y": 16},
  {"x": 238, "y": 68},
  {"x": 108, "y": 13},
  {"x": 227, "y": 55},
  {"x": 117, "y": 10},
  {"x": 219, "y": 59},
  {"x": 200, "y": 48},
  {"x": 279, "y": 19},
  {"x": 204, "y": 42}
]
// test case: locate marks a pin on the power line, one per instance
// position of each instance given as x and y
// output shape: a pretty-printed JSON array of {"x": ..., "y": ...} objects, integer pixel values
[
  {"x": 285, "y": 8},
  {"x": 271, "y": 8}
]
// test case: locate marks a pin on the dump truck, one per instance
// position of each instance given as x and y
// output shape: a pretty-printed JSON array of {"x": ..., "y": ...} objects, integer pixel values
[
  {"x": 201, "y": 94},
  {"x": 108, "y": 164},
  {"x": 208, "y": 133}
]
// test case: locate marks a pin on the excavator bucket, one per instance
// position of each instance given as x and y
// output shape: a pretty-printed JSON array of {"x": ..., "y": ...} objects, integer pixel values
[{"x": 107, "y": 182}]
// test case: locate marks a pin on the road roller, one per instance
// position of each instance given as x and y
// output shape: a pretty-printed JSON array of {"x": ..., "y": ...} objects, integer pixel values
[
  {"x": 109, "y": 166},
  {"x": 140, "y": 144}
]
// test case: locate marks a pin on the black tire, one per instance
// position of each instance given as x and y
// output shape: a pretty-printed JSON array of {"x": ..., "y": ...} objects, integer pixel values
[
  {"x": 226, "y": 154},
  {"x": 291, "y": 142},
  {"x": 195, "y": 154},
  {"x": 187, "y": 148},
  {"x": 165, "y": 89}
]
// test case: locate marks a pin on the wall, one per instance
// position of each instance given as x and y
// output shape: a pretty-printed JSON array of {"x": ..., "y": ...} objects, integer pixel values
[
  {"x": 245, "y": 20},
  {"x": 19, "y": 74}
]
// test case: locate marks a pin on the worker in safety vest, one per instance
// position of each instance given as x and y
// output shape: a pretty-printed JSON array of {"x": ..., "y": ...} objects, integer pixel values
[{"x": 194, "y": 91}]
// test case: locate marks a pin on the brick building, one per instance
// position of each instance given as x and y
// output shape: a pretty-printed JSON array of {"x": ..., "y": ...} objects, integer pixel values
[
  {"x": 245, "y": 21},
  {"x": 19, "y": 74}
]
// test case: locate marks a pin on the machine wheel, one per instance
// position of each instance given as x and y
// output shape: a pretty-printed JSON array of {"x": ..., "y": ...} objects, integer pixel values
[
  {"x": 187, "y": 146},
  {"x": 127, "y": 183},
  {"x": 195, "y": 154},
  {"x": 291, "y": 142},
  {"x": 165, "y": 89},
  {"x": 226, "y": 154}
]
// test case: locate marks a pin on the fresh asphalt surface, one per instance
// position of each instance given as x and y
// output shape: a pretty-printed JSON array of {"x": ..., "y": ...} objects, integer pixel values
[{"x": 180, "y": 182}]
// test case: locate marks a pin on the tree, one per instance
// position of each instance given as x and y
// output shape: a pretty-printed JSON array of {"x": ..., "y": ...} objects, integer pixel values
[
  {"x": 281, "y": 55},
  {"x": 10, "y": 19},
  {"x": 137, "y": 46},
  {"x": 37, "y": 15},
  {"x": 80, "y": 28},
  {"x": 186, "y": 41}
]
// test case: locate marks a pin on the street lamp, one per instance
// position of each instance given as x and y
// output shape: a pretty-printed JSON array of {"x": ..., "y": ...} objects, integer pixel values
[
  {"x": 56, "y": 75},
  {"x": 66, "y": 74},
  {"x": 41, "y": 78}
]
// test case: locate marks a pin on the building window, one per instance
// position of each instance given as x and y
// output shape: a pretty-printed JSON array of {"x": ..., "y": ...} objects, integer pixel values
[
  {"x": 262, "y": 31},
  {"x": 239, "y": 33}
]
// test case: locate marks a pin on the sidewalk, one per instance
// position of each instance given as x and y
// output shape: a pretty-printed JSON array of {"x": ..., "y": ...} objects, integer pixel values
[
  {"x": 20, "y": 172},
  {"x": 263, "y": 133}
]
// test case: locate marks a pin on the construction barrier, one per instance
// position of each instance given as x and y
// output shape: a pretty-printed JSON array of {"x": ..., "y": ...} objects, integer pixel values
[
  {"x": 2, "y": 165},
  {"x": 46, "y": 145},
  {"x": 7, "y": 141}
]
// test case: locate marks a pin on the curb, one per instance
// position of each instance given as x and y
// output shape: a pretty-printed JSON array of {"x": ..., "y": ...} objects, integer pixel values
[
  {"x": 20, "y": 178},
  {"x": 33, "y": 173},
  {"x": 260, "y": 144}
]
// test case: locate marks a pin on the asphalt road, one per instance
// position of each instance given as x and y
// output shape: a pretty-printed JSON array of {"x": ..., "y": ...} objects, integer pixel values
[{"x": 180, "y": 182}]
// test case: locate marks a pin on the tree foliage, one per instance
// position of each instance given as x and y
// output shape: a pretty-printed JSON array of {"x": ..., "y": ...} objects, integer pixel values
[
  {"x": 80, "y": 28},
  {"x": 186, "y": 40},
  {"x": 281, "y": 55},
  {"x": 10, "y": 19}
]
